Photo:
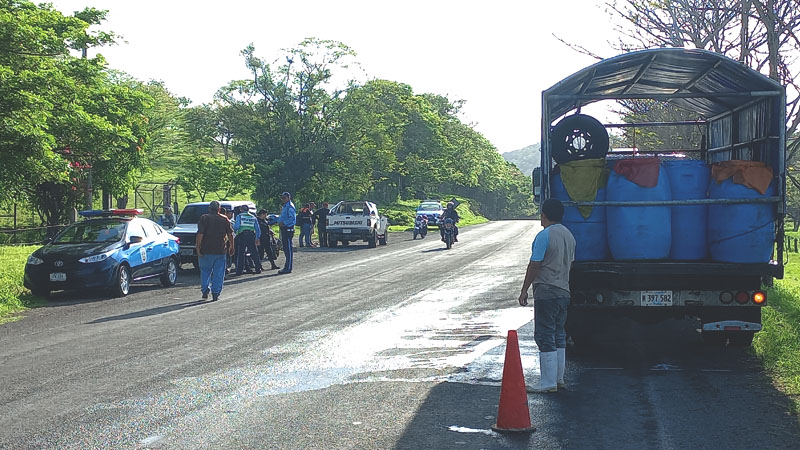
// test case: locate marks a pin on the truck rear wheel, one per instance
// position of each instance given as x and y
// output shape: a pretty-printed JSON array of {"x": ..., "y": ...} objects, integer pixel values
[
  {"x": 372, "y": 241},
  {"x": 741, "y": 338}
]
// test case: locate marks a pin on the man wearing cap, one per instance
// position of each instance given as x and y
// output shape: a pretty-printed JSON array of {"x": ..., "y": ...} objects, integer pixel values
[
  {"x": 213, "y": 230},
  {"x": 248, "y": 235},
  {"x": 286, "y": 222},
  {"x": 553, "y": 252}
]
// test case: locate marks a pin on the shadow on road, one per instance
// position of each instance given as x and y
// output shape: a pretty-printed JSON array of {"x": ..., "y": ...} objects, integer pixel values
[
  {"x": 77, "y": 297},
  {"x": 637, "y": 386},
  {"x": 149, "y": 312}
]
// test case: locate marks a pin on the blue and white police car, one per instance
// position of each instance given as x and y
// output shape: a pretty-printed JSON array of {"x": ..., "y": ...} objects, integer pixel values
[{"x": 109, "y": 250}]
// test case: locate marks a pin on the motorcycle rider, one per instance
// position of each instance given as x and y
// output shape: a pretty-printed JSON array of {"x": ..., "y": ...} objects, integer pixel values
[
  {"x": 421, "y": 225},
  {"x": 449, "y": 213}
]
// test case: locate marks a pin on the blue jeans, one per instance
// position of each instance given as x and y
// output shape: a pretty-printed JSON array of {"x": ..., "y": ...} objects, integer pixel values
[
  {"x": 212, "y": 268},
  {"x": 550, "y": 315},
  {"x": 286, "y": 240},
  {"x": 305, "y": 234}
]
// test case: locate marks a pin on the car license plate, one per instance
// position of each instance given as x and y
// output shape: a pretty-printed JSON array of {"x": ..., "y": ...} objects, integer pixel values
[
  {"x": 187, "y": 251},
  {"x": 347, "y": 231},
  {"x": 58, "y": 276},
  {"x": 656, "y": 298}
]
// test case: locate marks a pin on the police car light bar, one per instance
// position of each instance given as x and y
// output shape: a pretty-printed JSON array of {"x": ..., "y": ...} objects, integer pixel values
[{"x": 110, "y": 212}]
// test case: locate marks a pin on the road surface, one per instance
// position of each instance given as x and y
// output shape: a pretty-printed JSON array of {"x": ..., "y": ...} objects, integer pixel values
[{"x": 399, "y": 347}]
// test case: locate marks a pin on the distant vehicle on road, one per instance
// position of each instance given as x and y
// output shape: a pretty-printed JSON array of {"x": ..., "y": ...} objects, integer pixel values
[
  {"x": 356, "y": 221},
  {"x": 186, "y": 230},
  {"x": 431, "y": 209},
  {"x": 420, "y": 226},
  {"x": 109, "y": 250}
]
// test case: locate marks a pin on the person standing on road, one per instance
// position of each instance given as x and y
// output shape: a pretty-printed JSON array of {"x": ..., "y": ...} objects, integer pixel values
[
  {"x": 321, "y": 216},
  {"x": 248, "y": 235},
  {"x": 553, "y": 252},
  {"x": 267, "y": 236},
  {"x": 286, "y": 222},
  {"x": 304, "y": 219},
  {"x": 213, "y": 231}
]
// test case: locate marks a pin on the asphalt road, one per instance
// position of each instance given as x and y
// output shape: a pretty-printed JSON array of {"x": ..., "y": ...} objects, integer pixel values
[{"x": 395, "y": 347}]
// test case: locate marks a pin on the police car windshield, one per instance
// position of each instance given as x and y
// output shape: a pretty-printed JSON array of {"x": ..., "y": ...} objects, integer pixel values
[
  {"x": 192, "y": 213},
  {"x": 92, "y": 231},
  {"x": 429, "y": 207}
]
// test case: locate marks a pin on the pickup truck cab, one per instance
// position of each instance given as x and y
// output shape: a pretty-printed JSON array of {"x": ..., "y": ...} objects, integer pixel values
[
  {"x": 351, "y": 221},
  {"x": 431, "y": 209},
  {"x": 186, "y": 229}
]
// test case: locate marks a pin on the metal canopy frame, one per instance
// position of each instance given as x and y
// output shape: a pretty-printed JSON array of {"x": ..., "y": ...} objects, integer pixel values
[{"x": 721, "y": 91}]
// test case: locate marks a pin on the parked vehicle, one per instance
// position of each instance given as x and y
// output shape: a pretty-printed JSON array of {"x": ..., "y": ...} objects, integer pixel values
[
  {"x": 108, "y": 250},
  {"x": 627, "y": 258},
  {"x": 420, "y": 226},
  {"x": 432, "y": 210},
  {"x": 356, "y": 221},
  {"x": 186, "y": 230},
  {"x": 449, "y": 228}
]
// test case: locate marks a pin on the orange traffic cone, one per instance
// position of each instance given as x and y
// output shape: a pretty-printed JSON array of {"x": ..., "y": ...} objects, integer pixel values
[{"x": 513, "y": 413}]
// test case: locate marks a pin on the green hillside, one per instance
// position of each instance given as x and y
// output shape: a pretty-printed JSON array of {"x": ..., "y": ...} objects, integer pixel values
[{"x": 525, "y": 158}]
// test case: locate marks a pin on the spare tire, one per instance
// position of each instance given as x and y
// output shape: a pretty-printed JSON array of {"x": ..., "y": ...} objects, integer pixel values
[{"x": 578, "y": 137}]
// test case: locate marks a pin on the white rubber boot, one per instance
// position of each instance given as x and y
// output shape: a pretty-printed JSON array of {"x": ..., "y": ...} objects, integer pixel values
[
  {"x": 548, "y": 363},
  {"x": 562, "y": 364}
]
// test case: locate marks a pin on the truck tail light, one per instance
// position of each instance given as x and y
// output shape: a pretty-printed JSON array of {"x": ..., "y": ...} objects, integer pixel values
[
  {"x": 742, "y": 297},
  {"x": 726, "y": 297},
  {"x": 759, "y": 297}
]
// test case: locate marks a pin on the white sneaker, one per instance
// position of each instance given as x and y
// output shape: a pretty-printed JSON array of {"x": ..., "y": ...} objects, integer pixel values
[
  {"x": 548, "y": 366},
  {"x": 562, "y": 363}
]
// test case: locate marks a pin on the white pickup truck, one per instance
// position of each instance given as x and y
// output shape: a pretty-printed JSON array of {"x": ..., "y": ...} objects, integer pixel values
[{"x": 356, "y": 221}]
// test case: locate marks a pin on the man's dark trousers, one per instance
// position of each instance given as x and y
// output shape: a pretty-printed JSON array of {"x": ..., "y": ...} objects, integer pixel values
[
  {"x": 247, "y": 243},
  {"x": 286, "y": 239},
  {"x": 322, "y": 231}
]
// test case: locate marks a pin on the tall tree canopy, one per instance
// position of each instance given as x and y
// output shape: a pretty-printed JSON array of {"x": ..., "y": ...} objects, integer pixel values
[{"x": 62, "y": 116}]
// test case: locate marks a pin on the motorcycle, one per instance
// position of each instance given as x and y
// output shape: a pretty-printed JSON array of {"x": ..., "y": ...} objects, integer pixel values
[
  {"x": 449, "y": 228},
  {"x": 420, "y": 227}
]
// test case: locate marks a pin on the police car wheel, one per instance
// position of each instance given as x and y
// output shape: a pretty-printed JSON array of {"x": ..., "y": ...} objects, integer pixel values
[
  {"x": 122, "y": 282},
  {"x": 170, "y": 275}
]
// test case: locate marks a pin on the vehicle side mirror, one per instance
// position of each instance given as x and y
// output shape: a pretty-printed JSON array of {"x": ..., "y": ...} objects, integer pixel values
[
  {"x": 537, "y": 185},
  {"x": 135, "y": 240},
  {"x": 47, "y": 241}
]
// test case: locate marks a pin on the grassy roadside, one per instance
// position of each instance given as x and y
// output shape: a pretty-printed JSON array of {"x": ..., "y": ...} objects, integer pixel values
[
  {"x": 778, "y": 344},
  {"x": 14, "y": 298}
]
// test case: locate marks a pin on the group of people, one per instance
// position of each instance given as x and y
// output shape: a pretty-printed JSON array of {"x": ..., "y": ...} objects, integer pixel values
[
  {"x": 239, "y": 238},
  {"x": 309, "y": 216}
]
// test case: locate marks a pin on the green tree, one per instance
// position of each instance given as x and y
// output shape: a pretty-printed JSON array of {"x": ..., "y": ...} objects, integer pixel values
[
  {"x": 225, "y": 178},
  {"x": 63, "y": 118}
]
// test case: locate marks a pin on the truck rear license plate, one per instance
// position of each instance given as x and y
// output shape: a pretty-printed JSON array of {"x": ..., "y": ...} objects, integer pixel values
[
  {"x": 347, "y": 231},
  {"x": 58, "y": 276},
  {"x": 656, "y": 298},
  {"x": 187, "y": 251}
]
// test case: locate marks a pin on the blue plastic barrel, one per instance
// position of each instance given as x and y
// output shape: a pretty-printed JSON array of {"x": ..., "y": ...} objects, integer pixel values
[
  {"x": 639, "y": 232},
  {"x": 688, "y": 180},
  {"x": 740, "y": 233},
  {"x": 591, "y": 243}
]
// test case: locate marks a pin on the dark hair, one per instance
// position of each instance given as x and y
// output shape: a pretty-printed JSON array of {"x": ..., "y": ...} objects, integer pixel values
[
  {"x": 261, "y": 211},
  {"x": 213, "y": 206},
  {"x": 553, "y": 209},
  {"x": 223, "y": 211}
]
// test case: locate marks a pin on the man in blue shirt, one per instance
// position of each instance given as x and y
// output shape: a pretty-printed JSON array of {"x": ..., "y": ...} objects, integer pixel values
[
  {"x": 248, "y": 235},
  {"x": 286, "y": 222},
  {"x": 553, "y": 252}
]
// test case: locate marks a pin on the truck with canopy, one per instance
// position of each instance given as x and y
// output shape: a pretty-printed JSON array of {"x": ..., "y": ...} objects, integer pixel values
[{"x": 692, "y": 230}]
